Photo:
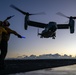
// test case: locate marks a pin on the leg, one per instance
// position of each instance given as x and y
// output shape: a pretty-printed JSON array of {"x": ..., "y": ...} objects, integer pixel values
[
  {"x": 3, "y": 52},
  {"x": 4, "y": 46}
]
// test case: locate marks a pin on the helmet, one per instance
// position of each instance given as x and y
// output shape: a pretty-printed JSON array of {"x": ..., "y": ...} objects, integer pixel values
[{"x": 6, "y": 23}]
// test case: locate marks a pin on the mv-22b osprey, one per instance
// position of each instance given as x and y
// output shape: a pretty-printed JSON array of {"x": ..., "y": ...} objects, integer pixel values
[{"x": 50, "y": 28}]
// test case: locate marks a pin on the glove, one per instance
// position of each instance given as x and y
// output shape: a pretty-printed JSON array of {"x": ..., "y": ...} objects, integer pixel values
[{"x": 19, "y": 36}]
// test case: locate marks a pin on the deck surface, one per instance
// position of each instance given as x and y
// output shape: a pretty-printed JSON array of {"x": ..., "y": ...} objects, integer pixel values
[{"x": 18, "y": 66}]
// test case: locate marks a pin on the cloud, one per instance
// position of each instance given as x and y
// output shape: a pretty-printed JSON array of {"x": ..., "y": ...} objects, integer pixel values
[{"x": 45, "y": 56}]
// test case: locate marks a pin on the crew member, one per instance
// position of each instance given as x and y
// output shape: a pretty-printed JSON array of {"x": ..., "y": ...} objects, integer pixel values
[{"x": 5, "y": 39}]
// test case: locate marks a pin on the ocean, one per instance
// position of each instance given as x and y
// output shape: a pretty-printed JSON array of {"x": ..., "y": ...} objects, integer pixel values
[{"x": 66, "y": 70}]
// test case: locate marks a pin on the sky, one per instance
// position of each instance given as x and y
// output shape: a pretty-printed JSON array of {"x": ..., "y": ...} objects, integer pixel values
[{"x": 65, "y": 43}]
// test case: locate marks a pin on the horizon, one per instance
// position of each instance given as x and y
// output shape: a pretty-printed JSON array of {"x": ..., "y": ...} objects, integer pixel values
[{"x": 44, "y": 56}]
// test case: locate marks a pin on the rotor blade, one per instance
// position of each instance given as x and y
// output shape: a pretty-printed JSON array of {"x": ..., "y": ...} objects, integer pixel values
[
  {"x": 41, "y": 13},
  {"x": 61, "y": 14},
  {"x": 18, "y": 9},
  {"x": 25, "y": 13}
]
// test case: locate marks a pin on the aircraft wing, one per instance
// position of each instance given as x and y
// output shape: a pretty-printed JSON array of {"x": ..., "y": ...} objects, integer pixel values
[
  {"x": 63, "y": 26},
  {"x": 43, "y": 25},
  {"x": 37, "y": 24}
]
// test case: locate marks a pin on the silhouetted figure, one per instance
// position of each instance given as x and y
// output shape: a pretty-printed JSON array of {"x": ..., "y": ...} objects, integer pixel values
[
  {"x": 2, "y": 31},
  {"x": 4, "y": 41}
]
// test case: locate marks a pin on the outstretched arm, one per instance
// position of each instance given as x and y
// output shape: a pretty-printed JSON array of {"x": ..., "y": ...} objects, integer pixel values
[
  {"x": 10, "y": 31},
  {"x": 15, "y": 33}
]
